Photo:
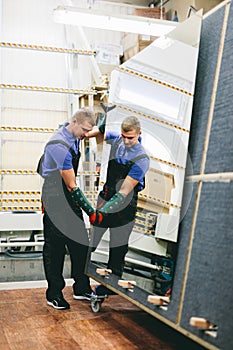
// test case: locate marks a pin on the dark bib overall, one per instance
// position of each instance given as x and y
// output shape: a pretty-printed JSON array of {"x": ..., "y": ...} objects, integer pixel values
[
  {"x": 115, "y": 176},
  {"x": 121, "y": 223},
  {"x": 63, "y": 228},
  {"x": 54, "y": 186}
]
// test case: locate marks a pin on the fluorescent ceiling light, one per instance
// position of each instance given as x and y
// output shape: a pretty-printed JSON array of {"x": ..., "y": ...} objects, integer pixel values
[{"x": 102, "y": 20}]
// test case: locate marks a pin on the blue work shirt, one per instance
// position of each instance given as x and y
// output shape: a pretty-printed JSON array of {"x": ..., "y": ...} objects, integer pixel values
[
  {"x": 57, "y": 156},
  {"x": 125, "y": 154}
]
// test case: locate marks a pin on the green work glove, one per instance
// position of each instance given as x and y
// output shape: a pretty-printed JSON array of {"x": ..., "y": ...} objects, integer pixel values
[
  {"x": 113, "y": 205},
  {"x": 102, "y": 125},
  {"x": 79, "y": 198}
]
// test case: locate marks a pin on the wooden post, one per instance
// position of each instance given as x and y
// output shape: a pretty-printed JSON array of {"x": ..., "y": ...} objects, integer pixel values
[
  {"x": 126, "y": 284},
  {"x": 158, "y": 300},
  {"x": 103, "y": 272},
  {"x": 199, "y": 322}
]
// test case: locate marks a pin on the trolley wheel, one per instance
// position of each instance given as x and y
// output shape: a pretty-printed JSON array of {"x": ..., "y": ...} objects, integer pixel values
[{"x": 96, "y": 305}]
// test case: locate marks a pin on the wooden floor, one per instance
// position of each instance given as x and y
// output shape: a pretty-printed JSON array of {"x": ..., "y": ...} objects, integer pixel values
[{"x": 27, "y": 322}]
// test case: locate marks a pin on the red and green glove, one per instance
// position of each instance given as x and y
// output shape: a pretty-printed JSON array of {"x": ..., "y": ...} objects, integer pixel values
[
  {"x": 96, "y": 218},
  {"x": 112, "y": 206},
  {"x": 79, "y": 198}
]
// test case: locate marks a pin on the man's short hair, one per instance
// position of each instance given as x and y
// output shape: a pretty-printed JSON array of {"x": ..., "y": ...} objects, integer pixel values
[
  {"x": 131, "y": 123},
  {"x": 84, "y": 114}
]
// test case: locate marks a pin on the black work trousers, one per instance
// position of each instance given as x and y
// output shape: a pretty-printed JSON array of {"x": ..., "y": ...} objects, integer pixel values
[
  {"x": 118, "y": 244},
  {"x": 56, "y": 244}
]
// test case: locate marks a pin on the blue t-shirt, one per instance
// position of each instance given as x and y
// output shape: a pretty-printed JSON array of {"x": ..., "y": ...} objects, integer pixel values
[
  {"x": 57, "y": 156},
  {"x": 125, "y": 154}
]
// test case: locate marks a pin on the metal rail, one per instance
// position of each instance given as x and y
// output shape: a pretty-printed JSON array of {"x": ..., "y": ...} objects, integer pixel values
[
  {"x": 101, "y": 252},
  {"x": 132, "y": 261}
]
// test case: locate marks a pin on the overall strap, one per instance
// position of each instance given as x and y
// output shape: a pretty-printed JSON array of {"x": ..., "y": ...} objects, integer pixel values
[
  {"x": 63, "y": 143},
  {"x": 134, "y": 160},
  {"x": 74, "y": 155},
  {"x": 141, "y": 156},
  {"x": 114, "y": 148}
]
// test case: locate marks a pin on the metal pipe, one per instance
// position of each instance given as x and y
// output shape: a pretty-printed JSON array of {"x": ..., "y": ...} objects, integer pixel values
[
  {"x": 212, "y": 177},
  {"x": 20, "y": 244},
  {"x": 130, "y": 260},
  {"x": 101, "y": 252}
]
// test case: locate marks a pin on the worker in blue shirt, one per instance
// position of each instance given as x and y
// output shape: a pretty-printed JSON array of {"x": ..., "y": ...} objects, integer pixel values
[
  {"x": 63, "y": 203},
  {"x": 117, "y": 202}
]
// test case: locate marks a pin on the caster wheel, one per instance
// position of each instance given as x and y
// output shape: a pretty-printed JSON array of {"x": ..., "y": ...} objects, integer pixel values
[{"x": 95, "y": 306}]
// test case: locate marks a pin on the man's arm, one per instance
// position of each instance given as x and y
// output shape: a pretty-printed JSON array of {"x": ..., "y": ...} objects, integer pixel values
[
  {"x": 128, "y": 185},
  {"x": 69, "y": 178},
  {"x": 76, "y": 193},
  {"x": 95, "y": 132},
  {"x": 116, "y": 202}
]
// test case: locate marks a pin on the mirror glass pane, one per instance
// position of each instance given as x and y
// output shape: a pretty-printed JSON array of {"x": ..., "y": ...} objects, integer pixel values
[{"x": 157, "y": 87}]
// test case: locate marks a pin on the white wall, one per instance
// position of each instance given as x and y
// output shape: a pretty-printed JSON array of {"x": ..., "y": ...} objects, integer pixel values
[{"x": 31, "y": 22}]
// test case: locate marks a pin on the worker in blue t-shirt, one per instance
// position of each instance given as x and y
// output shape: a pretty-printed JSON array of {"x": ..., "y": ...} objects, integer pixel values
[
  {"x": 117, "y": 202},
  {"x": 63, "y": 203}
]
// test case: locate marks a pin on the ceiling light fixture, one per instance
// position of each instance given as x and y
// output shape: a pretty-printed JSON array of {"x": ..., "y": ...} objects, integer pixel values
[{"x": 102, "y": 20}]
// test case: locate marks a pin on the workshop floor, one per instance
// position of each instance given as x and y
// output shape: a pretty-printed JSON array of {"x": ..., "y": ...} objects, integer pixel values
[{"x": 27, "y": 322}]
